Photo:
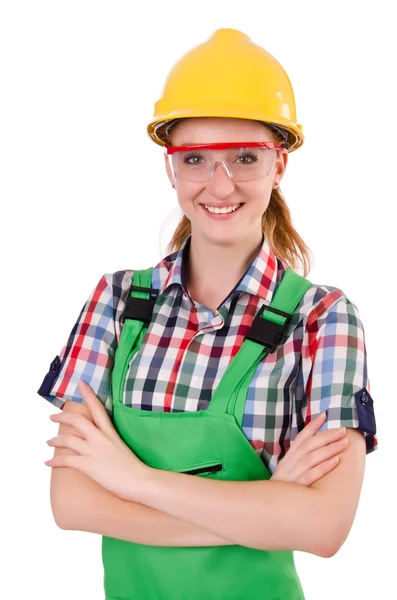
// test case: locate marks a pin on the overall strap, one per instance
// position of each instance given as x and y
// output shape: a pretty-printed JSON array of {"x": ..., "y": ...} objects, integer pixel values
[
  {"x": 135, "y": 318},
  {"x": 265, "y": 336}
]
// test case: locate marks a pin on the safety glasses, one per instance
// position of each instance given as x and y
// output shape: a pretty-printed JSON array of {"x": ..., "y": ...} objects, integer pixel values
[{"x": 242, "y": 161}]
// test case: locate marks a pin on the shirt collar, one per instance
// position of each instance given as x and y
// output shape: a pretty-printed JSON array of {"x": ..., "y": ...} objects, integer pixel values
[{"x": 260, "y": 279}]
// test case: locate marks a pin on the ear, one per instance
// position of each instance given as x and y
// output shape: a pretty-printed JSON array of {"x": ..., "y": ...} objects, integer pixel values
[
  {"x": 281, "y": 163},
  {"x": 168, "y": 169}
]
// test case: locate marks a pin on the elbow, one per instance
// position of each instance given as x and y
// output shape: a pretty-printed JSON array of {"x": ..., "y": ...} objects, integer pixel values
[
  {"x": 59, "y": 518},
  {"x": 61, "y": 524},
  {"x": 331, "y": 541},
  {"x": 64, "y": 496},
  {"x": 333, "y": 526},
  {"x": 60, "y": 511},
  {"x": 329, "y": 551},
  {"x": 65, "y": 516},
  {"x": 333, "y": 548}
]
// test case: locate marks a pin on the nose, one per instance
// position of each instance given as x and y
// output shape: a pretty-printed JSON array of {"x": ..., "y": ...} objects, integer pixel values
[{"x": 220, "y": 183}]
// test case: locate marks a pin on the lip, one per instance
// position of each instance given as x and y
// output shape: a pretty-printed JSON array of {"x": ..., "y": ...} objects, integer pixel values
[{"x": 222, "y": 217}]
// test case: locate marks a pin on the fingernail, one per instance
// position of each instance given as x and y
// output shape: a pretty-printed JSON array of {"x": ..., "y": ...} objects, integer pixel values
[{"x": 81, "y": 384}]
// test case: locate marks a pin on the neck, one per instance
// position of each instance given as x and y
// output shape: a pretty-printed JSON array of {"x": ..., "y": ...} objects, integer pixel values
[{"x": 213, "y": 269}]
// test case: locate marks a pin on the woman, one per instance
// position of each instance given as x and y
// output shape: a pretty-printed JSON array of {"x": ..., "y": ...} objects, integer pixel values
[{"x": 203, "y": 370}]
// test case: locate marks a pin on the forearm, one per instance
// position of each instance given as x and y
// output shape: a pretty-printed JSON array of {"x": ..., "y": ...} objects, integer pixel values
[
  {"x": 269, "y": 515},
  {"x": 96, "y": 510},
  {"x": 79, "y": 503}
]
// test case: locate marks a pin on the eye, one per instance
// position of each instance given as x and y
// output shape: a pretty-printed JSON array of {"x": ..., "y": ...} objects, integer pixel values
[
  {"x": 194, "y": 155},
  {"x": 253, "y": 158}
]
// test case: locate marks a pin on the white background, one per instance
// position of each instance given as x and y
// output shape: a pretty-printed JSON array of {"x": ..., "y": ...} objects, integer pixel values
[{"x": 84, "y": 192}]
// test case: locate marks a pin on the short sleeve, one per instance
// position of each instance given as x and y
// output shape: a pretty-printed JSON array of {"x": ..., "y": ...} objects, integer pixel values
[
  {"x": 88, "y": 353},
  {"x": 338, "y": 383}
]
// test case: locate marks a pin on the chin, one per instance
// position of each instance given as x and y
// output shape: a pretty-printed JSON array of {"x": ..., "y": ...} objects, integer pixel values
[{"x": 219, "y": 236}]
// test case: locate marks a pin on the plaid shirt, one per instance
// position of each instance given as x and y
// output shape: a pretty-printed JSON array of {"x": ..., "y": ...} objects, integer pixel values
[{"x": 322, "y": 366}]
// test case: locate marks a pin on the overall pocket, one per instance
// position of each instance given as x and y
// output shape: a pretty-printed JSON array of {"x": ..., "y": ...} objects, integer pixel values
[{"x": 206, "y": 468}]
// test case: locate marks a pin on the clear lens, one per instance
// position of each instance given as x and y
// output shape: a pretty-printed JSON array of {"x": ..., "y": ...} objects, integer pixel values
[{"x": 243, "y": 164}]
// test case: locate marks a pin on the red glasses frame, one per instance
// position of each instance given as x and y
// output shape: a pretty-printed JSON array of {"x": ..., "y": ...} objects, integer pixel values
[{"x": 223, "y": 145}]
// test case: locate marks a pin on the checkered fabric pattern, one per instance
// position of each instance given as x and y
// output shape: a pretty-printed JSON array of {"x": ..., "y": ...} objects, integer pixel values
[{"x": 322, "y": 366}]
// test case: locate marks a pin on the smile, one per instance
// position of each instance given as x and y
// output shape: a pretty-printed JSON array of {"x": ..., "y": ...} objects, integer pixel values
[{"x": 222, "y": 214}]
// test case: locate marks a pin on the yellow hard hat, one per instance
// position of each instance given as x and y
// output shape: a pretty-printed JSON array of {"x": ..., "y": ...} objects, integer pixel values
[{"x": 228, "y": 76}]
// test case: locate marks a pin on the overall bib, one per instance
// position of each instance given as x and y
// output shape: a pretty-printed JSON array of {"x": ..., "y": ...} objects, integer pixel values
[{"x": 206, "y": 443}]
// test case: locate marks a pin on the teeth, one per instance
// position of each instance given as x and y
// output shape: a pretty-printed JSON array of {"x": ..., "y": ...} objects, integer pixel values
[{"x": 217, "y": 210}]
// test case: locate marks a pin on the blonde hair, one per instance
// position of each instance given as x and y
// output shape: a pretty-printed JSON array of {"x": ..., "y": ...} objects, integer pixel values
[{"x": 277, "y": 227}]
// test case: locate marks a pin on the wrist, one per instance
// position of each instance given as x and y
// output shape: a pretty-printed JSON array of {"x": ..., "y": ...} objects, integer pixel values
[{"x": 140, "y": 486}]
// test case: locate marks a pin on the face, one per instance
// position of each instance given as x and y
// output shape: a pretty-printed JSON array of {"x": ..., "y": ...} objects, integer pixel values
[{"x": 220, "y": 190}]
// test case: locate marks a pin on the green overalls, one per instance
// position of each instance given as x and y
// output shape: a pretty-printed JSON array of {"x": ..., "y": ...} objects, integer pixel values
[{"x": 207, "y": 443}]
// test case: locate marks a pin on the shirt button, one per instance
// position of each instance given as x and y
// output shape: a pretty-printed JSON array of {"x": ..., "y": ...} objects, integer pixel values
[
  {"x": 364, "y": 399},
  {"x": 54, "y": 366}
]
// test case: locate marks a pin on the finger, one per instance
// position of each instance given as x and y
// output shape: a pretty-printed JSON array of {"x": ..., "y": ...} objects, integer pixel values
[
  {"x": 306, "y": 433},
  {"x": 71, "y": 442},
  {"x": 79, "y": 421},
  {"x": 72, "y": 461},
  {"x": 318, "y": 472},
  {"x": 302, "y": 464},
  {"x": 98, "y": 411},
  {"x": 327, "y": 452},
  {"x": 313, "y": 425},
  {"x": 322, "y": 439}
]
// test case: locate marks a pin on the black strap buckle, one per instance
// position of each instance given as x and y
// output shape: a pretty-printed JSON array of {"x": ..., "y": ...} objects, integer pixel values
[
  {"x": 267, "y": 332},
  {"x": 140, "y": 309}
]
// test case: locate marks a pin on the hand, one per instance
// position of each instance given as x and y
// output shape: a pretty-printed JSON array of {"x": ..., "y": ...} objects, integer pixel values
[
  {"x": 311, "y": 454},
  {"x": 101, "y": 453}
]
